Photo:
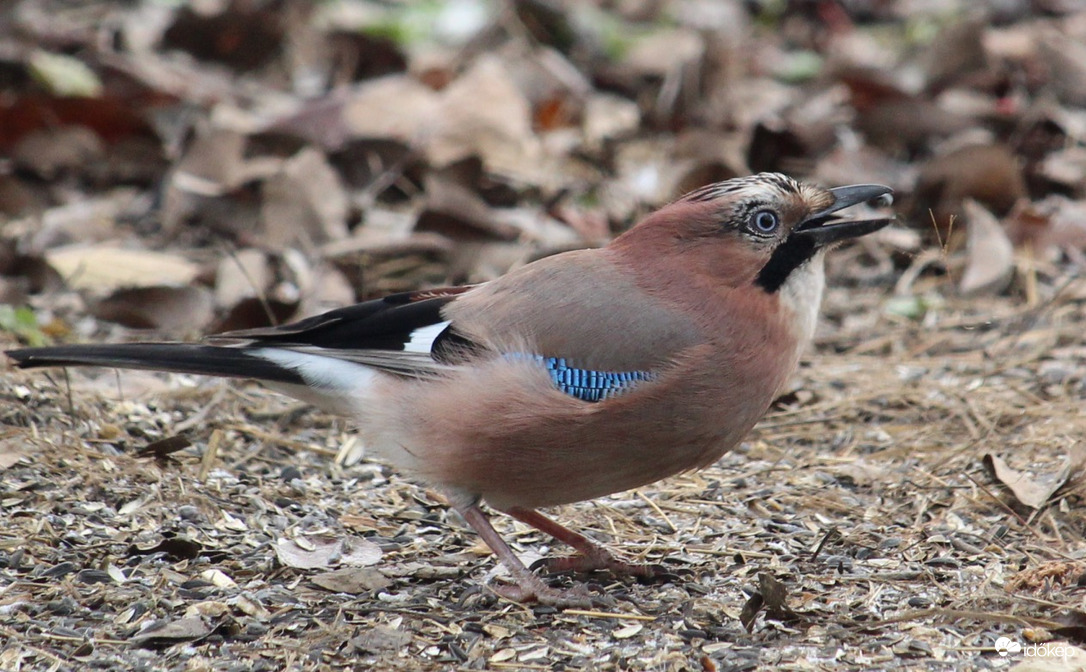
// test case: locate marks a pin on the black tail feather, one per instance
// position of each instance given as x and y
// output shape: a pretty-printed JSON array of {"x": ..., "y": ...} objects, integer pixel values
[{"x": 205, "y": 360}]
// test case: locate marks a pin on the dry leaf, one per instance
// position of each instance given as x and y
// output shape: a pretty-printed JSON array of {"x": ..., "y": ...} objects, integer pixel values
[
  {"x": 989, "y": 265},
  {"x": 308, "y": 552},
  {"x": 988, "y": 173},
  {"x": 238, "y": 35},
  {"x": 627, "y": 631},
  {"x": 252, "y": 608},
  {"x": 360, "y": 553},
  {"x": 496, "y": 631},
  {"x": 215, "y": 164},
  {"x": 1048, "y": 576},
  {"x": 304, "y": 203},
  {"x": 484, "y": 114},
  {"x": 107, "y": 267},
  {"x": 1055, "y": 222},
  {"x": 459, "y": 213},
  {"x": 48, "y": 153},
  {"x": 382, "y": 638},
  {"x": 207, "y": 609},
  {"x": 352, "y": 580},
  {"x": 1034, "y": 490},
  {"x": 116, "y": 573},
  {"x": 860, "y": 471},
  {"x": 772, "y": 597},
  {"x": 9, "y": 454},
  {"x": 218, "y": 578},
  {"x": 607, "y": 116},
  {"x": 242, "y": 275},
  {"x": 665, "y": 51},
  {"x": 1065, "y": 58},
  {"x": 181, "y": 630},
  {"x": 164, "y": 308},
  {"x": 396, "y": 107}
]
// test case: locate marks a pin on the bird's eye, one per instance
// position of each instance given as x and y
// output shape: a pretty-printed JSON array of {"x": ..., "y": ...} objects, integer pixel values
[{"x": 765, "y": 221}]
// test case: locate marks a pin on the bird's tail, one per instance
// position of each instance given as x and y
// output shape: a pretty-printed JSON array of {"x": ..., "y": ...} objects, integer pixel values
[{"x": 206, "y": 360}]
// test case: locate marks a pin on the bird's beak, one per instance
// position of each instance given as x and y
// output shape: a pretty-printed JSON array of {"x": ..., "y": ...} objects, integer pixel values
[{"x": 824, "y": 228}]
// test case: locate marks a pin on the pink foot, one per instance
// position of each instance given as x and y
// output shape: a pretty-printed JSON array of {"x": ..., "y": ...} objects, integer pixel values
[{"x": 539, "y": 592}]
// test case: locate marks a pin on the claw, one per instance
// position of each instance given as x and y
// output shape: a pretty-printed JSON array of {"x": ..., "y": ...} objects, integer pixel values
[{"x": 576, "y": 597}]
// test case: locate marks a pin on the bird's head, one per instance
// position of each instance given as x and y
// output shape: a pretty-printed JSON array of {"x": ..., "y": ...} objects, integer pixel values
[{"x": 756, "y": 230}]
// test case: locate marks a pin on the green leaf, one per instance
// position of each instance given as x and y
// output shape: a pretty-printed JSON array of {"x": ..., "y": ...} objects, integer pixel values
[
  {"x": 64, "y": 75},
  {"x": 22, "y": 322}
]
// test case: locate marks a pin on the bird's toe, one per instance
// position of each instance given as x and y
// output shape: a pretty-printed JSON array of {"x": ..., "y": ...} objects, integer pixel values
[{"x": 575, "y": 597}]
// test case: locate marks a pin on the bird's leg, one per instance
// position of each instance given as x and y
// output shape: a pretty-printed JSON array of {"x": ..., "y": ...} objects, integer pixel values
[
  {"x": 527, "y": 587},
  {"x": 592, "y": 555}
]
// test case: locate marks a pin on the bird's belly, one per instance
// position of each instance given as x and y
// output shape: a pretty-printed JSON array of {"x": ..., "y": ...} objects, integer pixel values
[
  {"x": 574, "y": 475},
  {"x": 504, "y": 433},
  {"x": 585, "y": 458}
]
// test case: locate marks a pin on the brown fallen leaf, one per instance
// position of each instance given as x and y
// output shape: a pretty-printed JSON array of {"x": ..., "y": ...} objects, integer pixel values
[
  {"x": 484, "y": 113},
  {"x": 457, "y": 212},
  {"x": 317, "y": 552},
  {"x": 256, "y": 312},
  {"x": 51, "y": 152},
  {"x": 770, "y": 597},
  {"x": 304, "y": 203},
  {"x": 1048, "y": 576},
  {"x": 10, "y": 454},
  {"x": 989, "y": 262},
  {"x": 105, "y": 267},
  {"x": 906, "y": 123},
  {"x": 956, "y": 52},
  {"x": 215, "y": 164},
  {"x": 242, "y": 275},
  {"x": 1055, "y": 222},
  {"x": 1065, "y": 58},
  {"x": 181, "y": 630},
  {"x": 360, "y": 553},
  {"x": 165, "y": 308},
  {"x": 309, "y": 552},
  {"x": 1034, "y": 489},
  {"x": 112, "y": 118},
  {"x": 352, "y": 580},
  {"x": 608, "y": 116},
  {"x": 381, "y": 638},
  {"x": 240, "y": 36},
  {"x": 859, "y": 471},
  {"x": 396, "y": 107},
  {"x": 988, "y": 173},
  {"x": 162, "y": 449}
]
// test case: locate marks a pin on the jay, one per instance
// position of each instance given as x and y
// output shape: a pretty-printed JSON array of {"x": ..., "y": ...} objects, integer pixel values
[{"x": 573, "y": 377}]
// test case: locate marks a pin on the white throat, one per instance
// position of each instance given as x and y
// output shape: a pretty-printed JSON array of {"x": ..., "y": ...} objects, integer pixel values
[{"x": 801, "y": 294}]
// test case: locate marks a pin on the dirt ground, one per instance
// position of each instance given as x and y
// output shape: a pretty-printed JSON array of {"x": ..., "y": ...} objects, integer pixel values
[{"x": 914, "y": 502}]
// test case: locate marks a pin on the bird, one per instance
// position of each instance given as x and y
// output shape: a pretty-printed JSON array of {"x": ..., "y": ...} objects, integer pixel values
[{"x": 575, "y": 376}]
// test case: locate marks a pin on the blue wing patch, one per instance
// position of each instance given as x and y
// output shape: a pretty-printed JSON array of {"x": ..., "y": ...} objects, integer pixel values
[{"x": 589, "y": 385}]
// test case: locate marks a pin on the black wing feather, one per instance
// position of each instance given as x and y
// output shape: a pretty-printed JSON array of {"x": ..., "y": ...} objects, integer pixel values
[
  {"x": 372, "y": 333},
  {"x": 204, "y": 360},
  {"x": 381, "y": 324}
]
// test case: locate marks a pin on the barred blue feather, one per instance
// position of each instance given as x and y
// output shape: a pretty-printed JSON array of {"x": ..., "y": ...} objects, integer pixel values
[{"x": 589, "y": 385}]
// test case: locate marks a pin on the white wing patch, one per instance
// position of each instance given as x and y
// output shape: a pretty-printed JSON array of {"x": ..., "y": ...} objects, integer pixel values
[
  {"x": 320, "y": 371},
  {"x": 422, "y": 339}
]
